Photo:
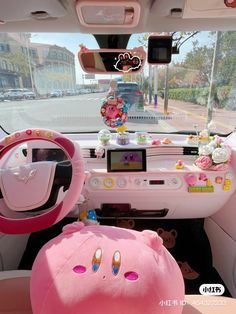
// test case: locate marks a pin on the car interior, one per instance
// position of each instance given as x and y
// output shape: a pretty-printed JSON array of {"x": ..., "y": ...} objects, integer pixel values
[{"x": 119, "y": 115}]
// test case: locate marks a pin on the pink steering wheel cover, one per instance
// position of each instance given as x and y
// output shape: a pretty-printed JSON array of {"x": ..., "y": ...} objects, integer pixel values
[{"x": 59, "y": 211}]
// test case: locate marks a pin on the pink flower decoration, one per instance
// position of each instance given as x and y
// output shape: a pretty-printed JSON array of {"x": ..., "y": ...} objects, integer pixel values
[{"x": 204, "y": 162}]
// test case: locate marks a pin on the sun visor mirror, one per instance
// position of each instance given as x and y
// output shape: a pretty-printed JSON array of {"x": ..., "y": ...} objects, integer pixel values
[{"x": 112, "y": 61}]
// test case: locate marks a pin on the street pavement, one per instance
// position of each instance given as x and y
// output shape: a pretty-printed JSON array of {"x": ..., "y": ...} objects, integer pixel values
[{"x": 82, "y": 114}]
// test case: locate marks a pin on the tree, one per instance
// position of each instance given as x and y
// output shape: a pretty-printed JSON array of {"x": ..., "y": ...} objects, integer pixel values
[
  {"x": 200, "y": 59},
  {"x": 179, "y": 38},
  {"x": 20, "y": 62}
]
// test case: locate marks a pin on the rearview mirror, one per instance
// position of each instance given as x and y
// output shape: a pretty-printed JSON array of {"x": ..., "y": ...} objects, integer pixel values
[{"x": 112, "y": 61}]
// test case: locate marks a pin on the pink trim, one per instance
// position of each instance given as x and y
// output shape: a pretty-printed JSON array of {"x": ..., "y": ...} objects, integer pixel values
[{"x": 59, "y": 211}]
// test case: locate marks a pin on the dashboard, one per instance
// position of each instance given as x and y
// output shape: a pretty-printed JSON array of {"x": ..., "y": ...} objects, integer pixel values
[{"x": 142, "y": 181}]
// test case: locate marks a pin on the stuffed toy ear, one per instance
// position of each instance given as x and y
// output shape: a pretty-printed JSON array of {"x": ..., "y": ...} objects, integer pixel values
[
  {"x": 152, "y": 239},
  {"x": 74, "y": 227}
]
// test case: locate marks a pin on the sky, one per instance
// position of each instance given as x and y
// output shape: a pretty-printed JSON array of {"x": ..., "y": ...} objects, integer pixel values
[{"x": 72, "y": 41}]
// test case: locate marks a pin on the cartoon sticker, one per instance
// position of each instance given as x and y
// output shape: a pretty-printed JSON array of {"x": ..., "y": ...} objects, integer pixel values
[
  {"x": 168, "y": 237},
  {"x": 126, "y": 63},
  {"x": 187, "y": 271}
]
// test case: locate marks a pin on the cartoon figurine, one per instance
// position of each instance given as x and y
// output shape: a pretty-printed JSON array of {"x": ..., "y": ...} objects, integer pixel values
[
  {"x": 88, "y": 217},
  {"x": 104, "y": 137},
  {"x": 102, "y": 270},
  {"x": 114, "y": 111},
  {"x": 179, "y": 164}
]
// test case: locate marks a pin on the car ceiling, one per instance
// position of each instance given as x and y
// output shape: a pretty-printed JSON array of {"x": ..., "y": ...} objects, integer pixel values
[{"x": 16, "y": 16}]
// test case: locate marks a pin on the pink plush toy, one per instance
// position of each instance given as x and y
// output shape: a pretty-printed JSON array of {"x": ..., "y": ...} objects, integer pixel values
[{"x": 106, "y": 270}]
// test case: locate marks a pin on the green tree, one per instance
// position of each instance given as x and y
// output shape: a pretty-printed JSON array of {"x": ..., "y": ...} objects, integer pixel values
[
  {"x": 200, "y": 59},
  {"x": 20, "y": 61}
]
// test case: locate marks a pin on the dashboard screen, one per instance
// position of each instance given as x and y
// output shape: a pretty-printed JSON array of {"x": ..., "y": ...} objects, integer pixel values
[
  {"x": 48, "y": 154},
  {"x": 122, "y": 160}
]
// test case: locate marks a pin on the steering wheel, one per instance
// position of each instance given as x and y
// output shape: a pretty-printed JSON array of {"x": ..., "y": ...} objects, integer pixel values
[{"x": 27, "y": 187}]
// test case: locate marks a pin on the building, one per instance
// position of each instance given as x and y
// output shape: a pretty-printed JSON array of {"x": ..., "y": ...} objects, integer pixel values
[
  {"x": 40, "y": 67},
  {"x": 54, "y": 68}
]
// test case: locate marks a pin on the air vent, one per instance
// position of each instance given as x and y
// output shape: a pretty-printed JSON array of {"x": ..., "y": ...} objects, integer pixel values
[
  {"x": 90, "y": 153},
  {"x": 174, "y": 150}
]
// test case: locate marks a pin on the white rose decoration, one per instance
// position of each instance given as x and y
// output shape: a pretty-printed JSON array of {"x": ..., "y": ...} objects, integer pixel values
[
  {"x": 206, "y": 150},
  {"x": 220, "y": 155}
]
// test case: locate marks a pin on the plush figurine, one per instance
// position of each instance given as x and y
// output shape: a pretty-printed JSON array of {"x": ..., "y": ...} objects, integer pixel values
[{"x": 102, "y": 270}]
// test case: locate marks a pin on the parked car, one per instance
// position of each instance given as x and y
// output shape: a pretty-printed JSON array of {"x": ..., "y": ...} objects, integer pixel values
[
  {"x": 14, "y": 94},
  {"x": 70, "y": 92},
  {"x": 28, "y": 94},
  {"x": 56, "y": 93},
  {"x": 131, "y": 93},
  {"x": 2, "y": 97}
]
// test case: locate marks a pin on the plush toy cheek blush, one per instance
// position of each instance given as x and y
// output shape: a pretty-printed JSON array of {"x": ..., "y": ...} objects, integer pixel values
[
  {"x": 131, "y": 275},
  {"x": 79, "y": 269}
]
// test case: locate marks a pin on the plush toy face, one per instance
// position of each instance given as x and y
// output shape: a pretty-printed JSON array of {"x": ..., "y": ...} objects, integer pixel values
[
  {"x": 104, "y": 270},
  {"x": 112, "y": 111}
]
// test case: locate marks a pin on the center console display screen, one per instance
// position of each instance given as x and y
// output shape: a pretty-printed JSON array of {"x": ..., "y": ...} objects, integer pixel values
[{"x": 123, "y": 160}]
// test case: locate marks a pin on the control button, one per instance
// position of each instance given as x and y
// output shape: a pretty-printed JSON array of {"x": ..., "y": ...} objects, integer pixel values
[
  {"x": 137, "y": 181},
  {"x": 95, "y": 183},
  {"x": 121, "y": 182},
  {"x": 229, "y": 176},
  {"x": 174, "y": 181},
  {"x": 109, "y": 183}
]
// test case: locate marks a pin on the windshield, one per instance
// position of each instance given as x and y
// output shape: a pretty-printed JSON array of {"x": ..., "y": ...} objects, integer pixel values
[{"x": 42, "y": 85}]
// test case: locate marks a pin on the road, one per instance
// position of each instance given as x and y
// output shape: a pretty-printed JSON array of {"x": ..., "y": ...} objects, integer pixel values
[
  {"x": 67, "y": 114},
  {"x": 82, "y": 113}
]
